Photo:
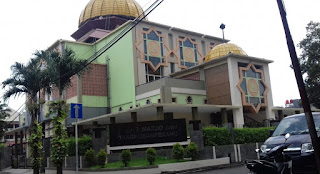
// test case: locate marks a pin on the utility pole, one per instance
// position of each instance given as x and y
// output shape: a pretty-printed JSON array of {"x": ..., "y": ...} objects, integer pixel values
[{"x": 301, "y": 85}]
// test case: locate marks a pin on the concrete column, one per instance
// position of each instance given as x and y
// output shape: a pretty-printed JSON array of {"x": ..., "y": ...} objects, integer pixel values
[
  {"x": 16, "y": 148},
  {"x": 27, "y": 147},
  {"x": 280, "y": 114},
  {"x": 134, "y": 117},
  {"x": 160, "y": 114},
  {"x": 270, "y": 114},
  {"x": 165, "y": 94},
  {"x": 168, "y": 116},
  {"x": 195, "y": 114},
  {"x": 21, "y": 142},
  {"x": 202, "y": 74},
  {"x": 112, "y": 120},
  {"x": 238, "y": 119},
  {"x": 224, "y": 116},
  {"x": 99, "y": 142},
  {"x": 196, "y": 133}
]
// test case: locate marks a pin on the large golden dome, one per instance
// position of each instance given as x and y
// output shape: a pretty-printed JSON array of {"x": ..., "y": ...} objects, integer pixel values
[
  {"x": 96, "y": 8},
  {"x": 224, "y": 49}
]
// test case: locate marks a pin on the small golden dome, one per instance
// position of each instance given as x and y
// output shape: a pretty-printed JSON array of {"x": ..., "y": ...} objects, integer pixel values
[
  {"x": 96, "y": 8},
  {"x": 224, "y": 49}
]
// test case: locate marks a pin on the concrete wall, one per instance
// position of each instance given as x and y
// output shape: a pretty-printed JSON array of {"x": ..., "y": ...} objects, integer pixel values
[
  {"x": 5, "y": 157},
  {"x": 170, "y": 82},
  {"x": 171, "y": 35},
  {"x": 236, "y": 153}
]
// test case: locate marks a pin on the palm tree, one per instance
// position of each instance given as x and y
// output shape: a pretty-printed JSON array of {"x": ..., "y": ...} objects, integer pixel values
[
  {"x": 61, "y": 67},
  {"x": 29, "y": 80}
]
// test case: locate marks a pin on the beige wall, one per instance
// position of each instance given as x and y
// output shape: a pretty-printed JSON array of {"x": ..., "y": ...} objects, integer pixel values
[{"x": 171, "y": 35}]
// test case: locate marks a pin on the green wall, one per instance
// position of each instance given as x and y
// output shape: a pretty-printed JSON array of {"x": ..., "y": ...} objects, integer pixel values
[
  {"x": 121, "y": 69},
  {"x": 154, "y": 99},
  {"x": 196, "y": 99},
  {"x": 124, "y": 107}
]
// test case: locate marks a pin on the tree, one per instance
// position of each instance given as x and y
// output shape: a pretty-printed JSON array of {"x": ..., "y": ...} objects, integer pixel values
[
  {"x": 29, "y": 80},
  {"x": 3, "y": 114},
  {"x": 310, "y": 62},
  {"x": 58, "y": 142},
  {"x": 61, "y": 67}
]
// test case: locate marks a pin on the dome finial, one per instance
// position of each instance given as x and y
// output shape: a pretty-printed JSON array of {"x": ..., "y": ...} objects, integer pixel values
[{"x": 222, "y": 27}]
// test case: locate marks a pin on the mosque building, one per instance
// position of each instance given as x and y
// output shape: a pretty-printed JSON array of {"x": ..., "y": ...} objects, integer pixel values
[
  {"x": 154, "y": 86},
  {"x": 159, "y": 72}
]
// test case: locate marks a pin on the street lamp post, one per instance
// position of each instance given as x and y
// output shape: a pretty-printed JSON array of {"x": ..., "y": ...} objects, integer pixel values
[{"x": 222, "y": 27}]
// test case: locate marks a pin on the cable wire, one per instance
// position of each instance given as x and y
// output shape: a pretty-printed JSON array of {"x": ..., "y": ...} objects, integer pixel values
[{"x": 127, "y": 29}]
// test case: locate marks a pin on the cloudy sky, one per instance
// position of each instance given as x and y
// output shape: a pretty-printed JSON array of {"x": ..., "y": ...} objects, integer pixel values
[{"x": 254, "y": 25}]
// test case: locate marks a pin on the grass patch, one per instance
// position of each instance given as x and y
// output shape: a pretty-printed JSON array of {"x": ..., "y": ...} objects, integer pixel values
[{"x": 143, "y": 162}]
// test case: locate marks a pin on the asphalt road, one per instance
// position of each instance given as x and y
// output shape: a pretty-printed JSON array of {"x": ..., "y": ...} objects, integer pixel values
[{"x": 234, "y": 170}]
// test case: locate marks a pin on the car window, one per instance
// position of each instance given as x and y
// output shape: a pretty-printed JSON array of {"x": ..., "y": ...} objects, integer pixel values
[{"x": 295, "y": 125}]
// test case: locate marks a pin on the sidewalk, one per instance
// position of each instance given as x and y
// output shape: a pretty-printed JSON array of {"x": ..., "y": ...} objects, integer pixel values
[
  {"x": 164, "y": 168},
  {"x": 16, "y": 171}
]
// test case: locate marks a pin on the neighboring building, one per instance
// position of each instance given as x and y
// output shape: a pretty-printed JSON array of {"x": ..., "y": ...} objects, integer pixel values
[
  {"x": 12, "y": 123},
  {"x": 292, "y": 106}
]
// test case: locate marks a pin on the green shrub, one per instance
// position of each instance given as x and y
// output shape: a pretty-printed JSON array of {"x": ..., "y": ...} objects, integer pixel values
[
  {"x": 101, "y": 158},
  {"x": 91, "y": 158},
  {"x": 192, "y": 151},
  {"x": 214, "y": 136},
  {"x": 126, "y": 157},
  {"x": 177, "y": 151},
  {"x": 151, "y": 155},
  {"x": 84, "y": 144},
  {"x": 251, "y": 135}
]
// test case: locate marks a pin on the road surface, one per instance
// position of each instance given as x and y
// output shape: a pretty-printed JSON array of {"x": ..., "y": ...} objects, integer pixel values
[{"x": 234, "y": 170}]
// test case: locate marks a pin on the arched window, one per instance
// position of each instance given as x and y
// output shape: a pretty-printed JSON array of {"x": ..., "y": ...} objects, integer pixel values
[
  {"x": 148, "y": 102},
  {"x": 120, "y": 109}
]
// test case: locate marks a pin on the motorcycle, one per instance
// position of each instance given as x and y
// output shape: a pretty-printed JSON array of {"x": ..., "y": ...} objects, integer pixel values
[{"x": 282, "y": 163}]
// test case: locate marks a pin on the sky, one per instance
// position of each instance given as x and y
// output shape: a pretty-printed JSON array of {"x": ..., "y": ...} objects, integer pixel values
[{"x": 254, "y": 25}]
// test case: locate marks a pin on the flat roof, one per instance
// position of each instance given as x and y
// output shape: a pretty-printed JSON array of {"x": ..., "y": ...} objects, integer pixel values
[
  {"x": 150, "y": 111},
  {"x": 220, "y": 59}
]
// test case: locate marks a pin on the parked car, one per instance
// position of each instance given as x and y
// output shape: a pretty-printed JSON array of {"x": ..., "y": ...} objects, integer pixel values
[{"x": 301, "y": 149}]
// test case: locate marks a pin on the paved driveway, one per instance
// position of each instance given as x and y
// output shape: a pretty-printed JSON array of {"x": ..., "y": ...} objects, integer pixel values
[{"x": 17, "y": 171}]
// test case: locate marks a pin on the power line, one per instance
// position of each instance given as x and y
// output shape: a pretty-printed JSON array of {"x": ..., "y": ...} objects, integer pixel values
[
  {"x": 127, "y": 29},
  {"x": 96, "y": 55}
]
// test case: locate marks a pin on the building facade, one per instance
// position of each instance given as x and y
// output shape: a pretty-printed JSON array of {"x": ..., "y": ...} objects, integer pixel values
[{"x": 164, "y": 70}]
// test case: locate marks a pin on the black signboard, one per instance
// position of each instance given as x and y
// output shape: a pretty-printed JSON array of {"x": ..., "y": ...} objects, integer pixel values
[{"x": 148, "y": 132}]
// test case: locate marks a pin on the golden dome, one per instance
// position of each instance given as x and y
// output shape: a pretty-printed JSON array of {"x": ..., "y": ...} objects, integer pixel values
[
  {"x": 96, "y": 8},
  {"x": 224, "y": 49}
]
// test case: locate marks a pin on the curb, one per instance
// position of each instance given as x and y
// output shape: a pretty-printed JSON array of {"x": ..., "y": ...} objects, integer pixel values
[
  {"x": 201, "y": 169},
  {"x": 106, "y": 169}
]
